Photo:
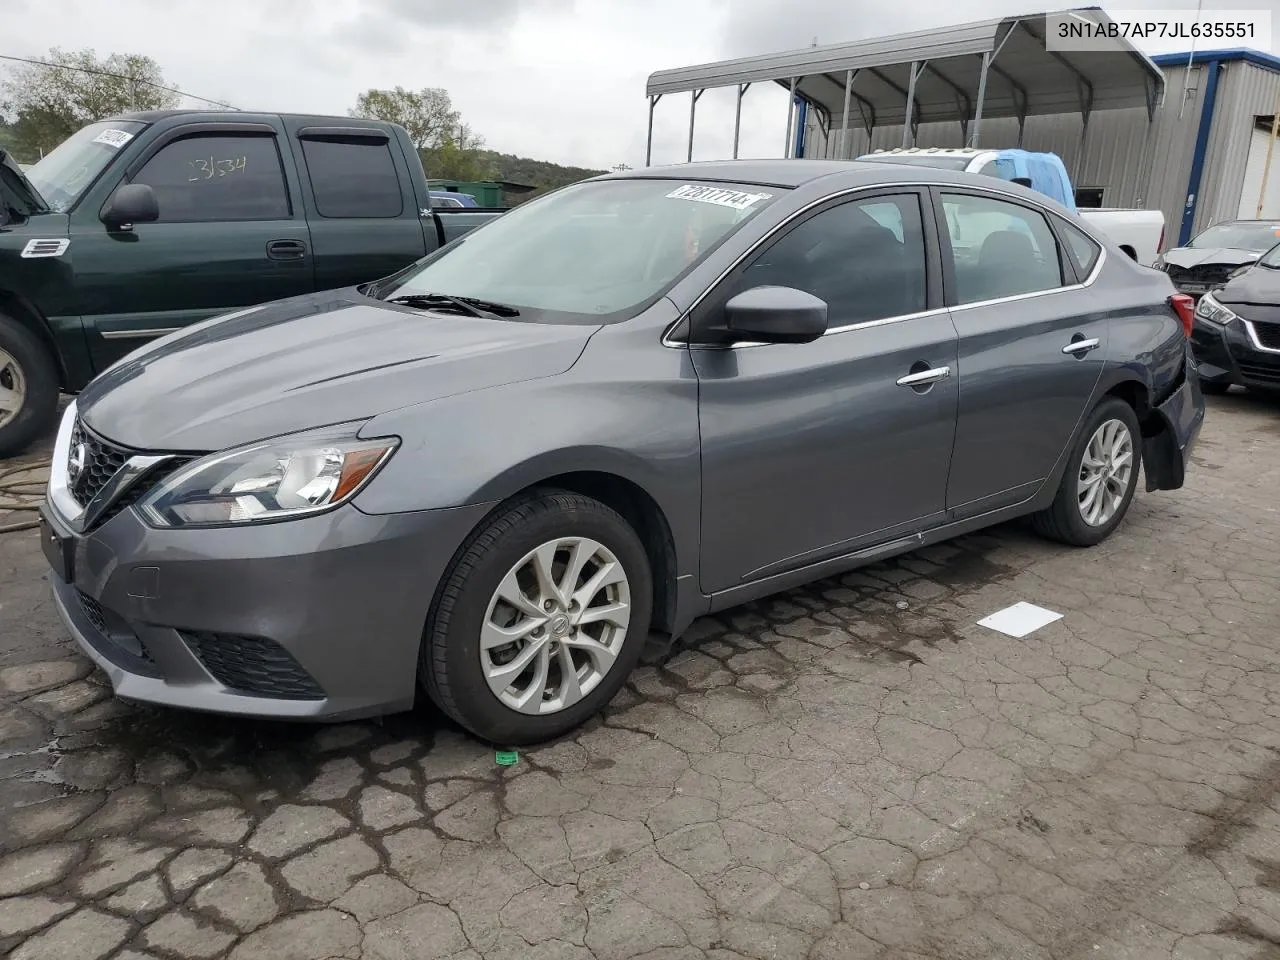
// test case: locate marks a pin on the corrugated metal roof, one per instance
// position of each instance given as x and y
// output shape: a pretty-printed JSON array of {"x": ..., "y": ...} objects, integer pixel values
[{"x": 1025, "y": 78}]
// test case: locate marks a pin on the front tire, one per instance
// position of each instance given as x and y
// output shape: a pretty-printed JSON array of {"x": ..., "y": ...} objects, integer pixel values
[
  {"x": 539, "y": 621},
  {"x": 28, "y": 388},
  {"x": 1101, "y": 477}
]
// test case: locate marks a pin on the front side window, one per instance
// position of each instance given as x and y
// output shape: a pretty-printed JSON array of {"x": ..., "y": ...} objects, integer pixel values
[
  {"x": 865, "y": 258},
  {"x": 594, "y": 249},
  {"x": 351, "y": 179},
  {"x": 64, "y": 173},
  {"x": 217, "y": 178},
  {"x": 999, "y": 249}
]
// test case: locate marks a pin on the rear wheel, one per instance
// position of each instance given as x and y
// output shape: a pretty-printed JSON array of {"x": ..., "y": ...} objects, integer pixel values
[
  {"x": 28, "y": 388},
  {"x": 1100, "y": 479},
  {"x": 540, "y": 620}
]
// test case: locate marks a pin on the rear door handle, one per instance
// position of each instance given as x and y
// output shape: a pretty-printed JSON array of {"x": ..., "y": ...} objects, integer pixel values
[
  {"x": 286, "y": 250},
  {"x": 924, "y": 377},
  {"x": 1081, "y": 346}
]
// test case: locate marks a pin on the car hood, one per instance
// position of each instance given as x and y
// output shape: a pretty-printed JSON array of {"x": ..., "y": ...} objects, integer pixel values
[
  {"x": 309, "y": 362},
  {"x": 1187, "y": 257}
]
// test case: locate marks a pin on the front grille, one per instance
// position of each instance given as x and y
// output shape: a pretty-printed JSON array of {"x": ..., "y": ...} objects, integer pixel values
[
  {"x": 1268, "y": 335},
  {"x": 1214, "y": 273},
  {"x": 1260, "y": 373},
  {"x": 253, "y": 665},
  {"x": 102, "y": 461}
]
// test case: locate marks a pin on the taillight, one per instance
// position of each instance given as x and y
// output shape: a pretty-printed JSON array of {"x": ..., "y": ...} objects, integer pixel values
[{"x": 1185, "y": 307}]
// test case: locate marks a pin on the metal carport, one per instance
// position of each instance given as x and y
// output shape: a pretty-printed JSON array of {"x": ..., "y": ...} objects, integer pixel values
[{"x": 992, "y": 68}]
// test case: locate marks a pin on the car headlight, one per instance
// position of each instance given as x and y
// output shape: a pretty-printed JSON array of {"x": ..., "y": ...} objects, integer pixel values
[
  {"x": 1210, "y": 310},
  {"x": 277, "y": 479}
]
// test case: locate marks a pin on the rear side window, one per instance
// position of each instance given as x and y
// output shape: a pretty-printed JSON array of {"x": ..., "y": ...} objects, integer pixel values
[
  {"x": 353, "y": 179},
  {"x": 202, "y": 179},
  {"x": 1084, "y": 251},
  {"x": 999, "y": 249}
]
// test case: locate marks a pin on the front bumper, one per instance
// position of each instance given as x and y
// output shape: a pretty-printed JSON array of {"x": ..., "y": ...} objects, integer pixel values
[
  {"x": 318, "y": 618},
  {"x": 1228, "y": 354}
]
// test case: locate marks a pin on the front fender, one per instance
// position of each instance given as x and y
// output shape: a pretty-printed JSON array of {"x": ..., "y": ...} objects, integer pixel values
[{"x": 628, "y": 408}]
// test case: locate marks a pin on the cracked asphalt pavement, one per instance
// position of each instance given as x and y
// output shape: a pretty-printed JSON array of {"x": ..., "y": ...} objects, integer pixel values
[{"x": 851, "y": 770}]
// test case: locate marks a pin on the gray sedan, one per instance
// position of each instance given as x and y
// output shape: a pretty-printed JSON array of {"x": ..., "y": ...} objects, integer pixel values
[{"x": 632, "y": 402}]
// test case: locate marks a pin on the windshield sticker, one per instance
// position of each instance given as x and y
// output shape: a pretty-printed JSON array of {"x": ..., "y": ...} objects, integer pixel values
[
  {"x": 114, "y": 138},
  {"x": 736, "y": 199}
]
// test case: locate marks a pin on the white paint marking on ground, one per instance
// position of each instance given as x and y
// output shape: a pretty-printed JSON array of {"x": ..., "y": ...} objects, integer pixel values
[{"x": 1019, "y": 620}]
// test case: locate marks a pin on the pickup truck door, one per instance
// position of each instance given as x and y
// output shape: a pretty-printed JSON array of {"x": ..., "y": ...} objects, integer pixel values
[
  {"x": 811, "y": 451},
  {"x": 1032, "y": 344},
  {"x": 230, "y": 234},
  {"x": 361, "y": 206}
]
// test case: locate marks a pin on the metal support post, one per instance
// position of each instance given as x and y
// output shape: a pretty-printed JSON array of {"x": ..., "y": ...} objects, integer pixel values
[
  {"x": 911, "y": 99},
  {"x": 791, "y": 114},
  {"x": 693, "y": 108},
  {"x": 737, "y": 118},
  {"x": 982, "y": 95},
  {"x": 844, "y": 125},
  {"x": 648, "y": 149}
]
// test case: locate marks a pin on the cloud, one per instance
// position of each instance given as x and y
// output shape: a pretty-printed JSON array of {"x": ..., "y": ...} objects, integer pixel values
[{"x": 560, "y": 80}]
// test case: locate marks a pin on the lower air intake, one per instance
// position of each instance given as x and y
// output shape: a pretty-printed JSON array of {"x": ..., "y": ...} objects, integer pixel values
[{"x": 253, "y": 666}]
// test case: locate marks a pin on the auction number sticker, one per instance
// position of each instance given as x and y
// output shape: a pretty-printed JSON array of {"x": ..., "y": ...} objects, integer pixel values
[
  {"x": 736, "y": 199},
  {"x": 114, "y": 138}
]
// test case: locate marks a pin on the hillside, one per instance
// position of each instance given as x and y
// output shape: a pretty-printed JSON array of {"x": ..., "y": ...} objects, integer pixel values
[{"x": 538, "y": 173}]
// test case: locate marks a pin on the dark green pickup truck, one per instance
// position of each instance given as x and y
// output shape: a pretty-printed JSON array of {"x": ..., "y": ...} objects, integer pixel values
[{"x": 140, "y": 225}]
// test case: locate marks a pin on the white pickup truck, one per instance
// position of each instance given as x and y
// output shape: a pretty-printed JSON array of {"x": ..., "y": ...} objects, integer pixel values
[{"x": 1139, "y": 233}]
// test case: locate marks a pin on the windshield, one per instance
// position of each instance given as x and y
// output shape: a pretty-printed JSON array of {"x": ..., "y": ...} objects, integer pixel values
[
  {"x": 596, "y": 248},
  {"x": 1271, "y": 258},
  {"x": 1241, "y": 235},
  {"x": 940, "y": 162},
  {"x": 63, "y": 175}
]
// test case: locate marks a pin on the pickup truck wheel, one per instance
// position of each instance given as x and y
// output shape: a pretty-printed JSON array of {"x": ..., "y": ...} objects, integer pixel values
[
  {"x": 28, "y": 388},
  {"x": 540, "y": 620},
  {"x": 1101, "y": 477}
]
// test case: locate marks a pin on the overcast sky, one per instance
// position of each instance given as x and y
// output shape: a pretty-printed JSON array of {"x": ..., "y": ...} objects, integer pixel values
[{"x": 559, "y": 80}]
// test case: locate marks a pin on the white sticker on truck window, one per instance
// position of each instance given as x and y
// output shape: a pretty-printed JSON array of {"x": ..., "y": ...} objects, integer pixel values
[
  {"x": 114, "y": 138},
  {"x": 737, "y": 199}
]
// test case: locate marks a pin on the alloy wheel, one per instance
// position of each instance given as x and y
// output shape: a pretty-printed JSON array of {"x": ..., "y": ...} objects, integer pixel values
[
  {"x": 1105, "y": 472},
  {"x": 13, "y": 388},
  {"x": 555, "y": 625}
]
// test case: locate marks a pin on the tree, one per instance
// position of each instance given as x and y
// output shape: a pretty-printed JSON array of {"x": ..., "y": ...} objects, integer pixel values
[
  {"x": 51, "y": 100},
  {"x": 427, "y": 114}
]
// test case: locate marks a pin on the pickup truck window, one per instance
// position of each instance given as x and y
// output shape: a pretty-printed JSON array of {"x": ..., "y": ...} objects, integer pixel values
[
  {"x": 999, "y": 249},
  {"x": 67, "y": 171},
  {"x": 218, "y": 178},
  {"x": 595, "y": 249},
  {"x": 865, "y": 258},
  {"x": 351, "y": 180}
]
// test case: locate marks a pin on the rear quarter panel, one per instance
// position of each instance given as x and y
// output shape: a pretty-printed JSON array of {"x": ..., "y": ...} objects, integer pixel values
[{"x": 1147, "y": 344}]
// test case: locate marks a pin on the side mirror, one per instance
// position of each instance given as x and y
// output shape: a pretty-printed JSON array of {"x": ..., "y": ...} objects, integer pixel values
[
  {"x": 776, "y": 315},
  {"x": 1023, "y": 182},
  {"x": 131, "y": 203}
]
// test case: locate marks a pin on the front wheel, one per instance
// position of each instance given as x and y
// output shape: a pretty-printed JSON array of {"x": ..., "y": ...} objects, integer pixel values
[
  {"x": 1100, "y": 479},
  {"x": 28, "y": 388},
  {"x": 540, "y": 619}
]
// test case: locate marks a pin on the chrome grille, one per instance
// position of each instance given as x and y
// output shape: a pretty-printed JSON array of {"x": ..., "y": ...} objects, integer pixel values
[{"x": 91, "y": 462}]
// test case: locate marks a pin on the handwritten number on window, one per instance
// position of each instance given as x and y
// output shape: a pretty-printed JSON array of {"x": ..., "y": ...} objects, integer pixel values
[{"x": 211, "y": 168}]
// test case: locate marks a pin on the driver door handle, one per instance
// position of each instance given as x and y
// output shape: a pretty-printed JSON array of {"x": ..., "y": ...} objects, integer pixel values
[
  {"x": 1081, "y": 346},
  {"x": 924, "y": 377},
  {"x": 286, "y": 250}
]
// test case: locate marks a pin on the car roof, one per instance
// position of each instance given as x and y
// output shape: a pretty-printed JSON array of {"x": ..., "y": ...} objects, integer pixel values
[{"x": 796, "y": 173}]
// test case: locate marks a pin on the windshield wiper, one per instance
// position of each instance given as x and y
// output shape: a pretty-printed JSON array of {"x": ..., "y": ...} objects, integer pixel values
[{"x": 468, "y": 305}]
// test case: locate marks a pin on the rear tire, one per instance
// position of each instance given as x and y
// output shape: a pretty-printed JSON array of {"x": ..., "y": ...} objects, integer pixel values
[
  {"x": 570, "y": 670},
  {"x": 28, "y": 388},
  {"x": 1101, "y": 477}
]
